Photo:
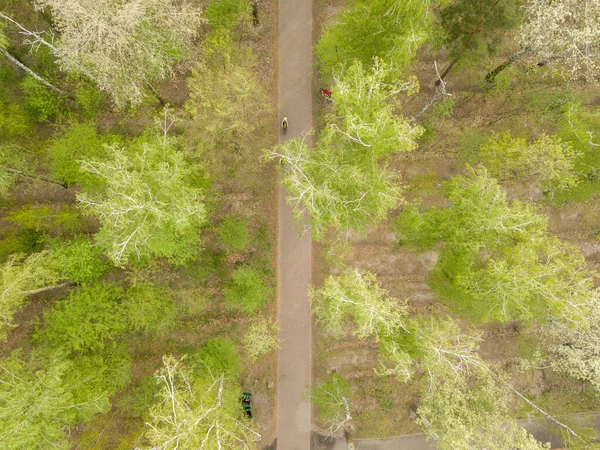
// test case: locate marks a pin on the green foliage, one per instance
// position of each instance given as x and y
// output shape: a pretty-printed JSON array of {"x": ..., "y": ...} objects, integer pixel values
[
  {"x": 149, "y": 308},
  {"x": 499, "y": 263},
  {"x": 88, "y": 98},
  {"x": 333, "y": 397},
  {"x": 548, "y": 159},
  {"x": 392, "y": 30},
  {"x": 75, "y": 142},
  {"x": 3, "y": 39},
  {"x": 355, "y": 297},
  {"x": 40, "y": 103},
  {"x": 227, "y": 13},
  {"x": 261, "y": 338},
  {"x": 78, "y": 260},
  {"x": 198, "y": 411},
  {"x": 217, "y": 357},
  {"x": 95, "y": 377},
  {"x": 233, "y": 232},
  {"x": 466, "y": 413},
  {"x": 87, "y": 320},
  {"x": 22, "y": 276},
  {"x": 35, "y": 404},
  {"x": 579, "y": 127},
  {"x": 47, "y": 219},
  {"x": 247, "y": 290},
  {"x": 14, "y": 122},
  {"x": 226, "y": 98},
  {"x": 474, "y": 28},
  {"x": 344, "y": 182},
  {"x": 150, "y": 205}
]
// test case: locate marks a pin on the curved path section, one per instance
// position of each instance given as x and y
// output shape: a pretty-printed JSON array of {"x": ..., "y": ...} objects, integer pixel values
[{"x": 294, "y": 265}]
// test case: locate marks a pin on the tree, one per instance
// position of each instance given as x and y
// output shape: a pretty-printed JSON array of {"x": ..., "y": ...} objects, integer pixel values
[
  {"x": 86, "y": 321},
  {"x": 566, "y": 31},
  {"x": 23, "y": 276},
  {"x": 261, "y": 338},
  {"x": 548, "y": 159},
  {"x": 4, "y": 50},
  {"x": 344, "y": 183},
  {"x": 77, "y": 260},
  {"x": 122, "y": 46},
  {"x": 218, "y": 357},
  {"x": 462, "y": 413},
  {"x": 473, "y": 29},
  {"x": 151, "y": 205},
  {"x": 438, "y": 346},
  {"x": 333, "y": 398},
  {"x": 247, "y": 290},
  {"x": 226, "y": 99},
  {"x": 391, "y": 30},
  {"x": 149, "y": 308},
  {"x": 196, "y": 412},
  {"x": 355, "y": 297},
  {"x": 36, "y": 405},
  {"x": 499, "y": 262},
  {"x": 573, "y": 345}
]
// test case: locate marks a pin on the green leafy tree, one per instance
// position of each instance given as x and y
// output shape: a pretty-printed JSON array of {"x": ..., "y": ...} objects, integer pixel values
[
  {"x": 218, "y": 357},
  {"x": 36, "y": 405},
  {"x": 462, "y": 413},
  {"x": 23, "y": 276},
  {"x": 437, "y": 345},
  {"x": 122, "y": 47},
  {"x": 195, "y": 411},
  {"x": 392, "y": 30},
  {"x": 499, "y": 262},
  {"x": 95, "y": 377},
  {"x": 78, "y": 260},
  {"x": 73, "y": 143},
  {"x": 333, "y": 397},
  {"x": 149, "y": 308},
  {"x": 40, "y": 103},
  {"x": 261, "y": 338},
  {"x": 548, "y": 159},
  {"x": 233, "y": 232},
  {"x": 355, "y": 297},
  {"x": 87, "y": 320},
  {"x": 150, "y": 206},
  {"x": 226, "y": 99},
  {"x": 344, "y": 183},
  {"x": 247, "y": 290}
]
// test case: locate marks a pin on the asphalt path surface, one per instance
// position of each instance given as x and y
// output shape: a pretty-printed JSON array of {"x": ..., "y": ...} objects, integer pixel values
[{"x": 294, "y": 252}]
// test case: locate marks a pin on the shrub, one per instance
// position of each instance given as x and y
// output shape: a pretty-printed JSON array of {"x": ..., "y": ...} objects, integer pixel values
[
  {"x": 75, "y": 142},
  {"x": 88, "y": 318},
  {"x": 261, "y": 338},
  {"x": 149, "y": 308},
  {"x": 40, "y": 103},
  {"x": 247, "y": 290},
  {"x": 219, "y": 356},
  {"x": 77, "y": 260},
  {"x": 227, "y": 13},
  {"x": 88, "y": 97},
  {"x": 233, "y": 232}
]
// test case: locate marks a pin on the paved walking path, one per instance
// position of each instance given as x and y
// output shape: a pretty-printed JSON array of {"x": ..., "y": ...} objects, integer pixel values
[{"x": 294, "y": 258}]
